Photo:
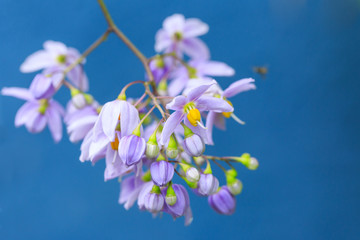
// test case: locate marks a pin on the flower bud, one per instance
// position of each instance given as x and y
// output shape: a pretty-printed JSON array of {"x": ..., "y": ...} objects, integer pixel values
[
  {"x": 223, "y": 202},
  {"x": 161, "y": 172},
  {"x": 170, "y": 197},
  {"x": 152, "y": 147},
  {"x": 172, "y": 149},
  {"x": 131, "y": 149},
  {"x": 162, "y": 87},
  {"x": 248, "y": 161},
  {"x": 194, "y": 145},
  {"x": 199, "y": 160},
  {"x": 78, "y": 99},
  {"x": 235, "y": 187},
  {"x": 154, "y": 201},
  {"x": 208, "y": 184},
  {"x": 191, "y": 173}
]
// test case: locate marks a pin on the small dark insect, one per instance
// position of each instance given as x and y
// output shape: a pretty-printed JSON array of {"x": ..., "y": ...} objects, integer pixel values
[{"x": 262, "y": 70}]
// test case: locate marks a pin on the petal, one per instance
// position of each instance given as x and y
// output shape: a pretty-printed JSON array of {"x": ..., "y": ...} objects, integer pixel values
[
  {"x": 196, "y": 48},
  {"x": 177, "y": 85},
  {"x": 25, "y": 112},
  {"x": 163, "y": 40},
  {"x": 209, "y": 125},
  {"x": 129, "y": 118},
  {"x": 239, "y": 86},
  {"x": 98, "y": 147},
  {"x": 214, "y": 68},
  {"x": 54, "y": 121},
  {"x": 114, "y": 165},
  {"x": 36, "y": 122},
  {"x": 177, "y": 103},
  {"x": 174, "y": 23},
  {"x": 196, "y": 92},
  {"x": 171, "y": 123},
  {"x": 36, "y": 61},
  {"x": 206, "y": 103},
  {"x": 195, "y": 27},
  {"x": 109, "y": 117},
  {"x": 55, "y": 48},
  {"x": 80, "y": 128},
  {"x": 42, "y": 87},
  {"x": 79, "y": 78},
  {"x": 21, "y": 93}
]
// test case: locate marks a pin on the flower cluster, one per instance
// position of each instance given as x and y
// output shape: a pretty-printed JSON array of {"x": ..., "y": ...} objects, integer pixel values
[{"x": 155, "y": 143}]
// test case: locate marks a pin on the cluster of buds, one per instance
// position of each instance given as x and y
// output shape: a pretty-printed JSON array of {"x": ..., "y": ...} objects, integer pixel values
[{"x": 155, "y": 143}]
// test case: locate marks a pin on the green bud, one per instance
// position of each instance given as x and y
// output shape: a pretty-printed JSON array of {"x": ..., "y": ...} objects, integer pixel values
[
  {"x": 172, "y": 150},
  {"x": 235, "y": 187},
  {"x": 152, "y": 147},
  {"x": 208, "y": 169},
  {"x": 248, "y": 161},
  {"x": 199, "y": 160},
  {"x": 170, "y": 197},
  {"x": 162, "y": 87}
]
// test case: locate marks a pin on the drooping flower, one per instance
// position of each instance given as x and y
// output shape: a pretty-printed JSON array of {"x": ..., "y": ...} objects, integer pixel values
[
  {"x": 56, "y": 54},
  {"x": 131, "y": 149},
  {"x": 35, "y": 114},
  {"x": 188, "y": 109},
  {"x": 199, "y": 73},
  {"x": 180, "y": 35},
  {"x": 150, "y": 198},
  {"x": 193, "y": 144},
  {"x": 42, "y": 87},
  {"x": 223, "y": 202},
  {"x": 218, "y": 118},
  {"x": 182, "y": 205},
  {"x": 161, "y": 172}
]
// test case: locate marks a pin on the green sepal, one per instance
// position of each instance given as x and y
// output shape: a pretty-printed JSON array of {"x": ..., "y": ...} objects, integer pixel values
[
  {"x": 88, "y": 98},
  {"x": 192, "y": 72},
  {"x": 152, "y": 140},
  {"x": 43, "y": 106},
  {"x": 160, "y": 158},
  {"x": 187, "y": 131},
  {"x": 121, "y": 96},
  {"x": 172, "y": 143},
  {"x": 146, "y": 177},
  {"x": 137, "y": 131},
  {"x": 74, "y": 92},
  {"x": 208, "y": 168},
  {"x": 155, "y": 189}
]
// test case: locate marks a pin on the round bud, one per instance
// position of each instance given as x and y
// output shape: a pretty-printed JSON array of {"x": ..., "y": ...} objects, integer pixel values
[
  {"x": 253, "y": 164},
  {"x": 152, "y": 150},
  {"x": 170, "y": 197},
  {"x": 192, "y": 174},
  {"x": 78, "y": 100},
  {"x": 199, "y": 160},
  {"x": 235, "y": 187},
  {"x": 194, "y": 145}
]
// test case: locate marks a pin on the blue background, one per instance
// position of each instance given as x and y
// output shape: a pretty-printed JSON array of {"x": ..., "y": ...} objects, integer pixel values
[{"x": 302, "y": 121}]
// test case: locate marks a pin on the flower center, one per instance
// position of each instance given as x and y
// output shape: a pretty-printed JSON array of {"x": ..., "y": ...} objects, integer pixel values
[
  {"x": 177, "y": 36},
  {"x": 43, "y": 106},
  {"x": 227, "y": 114},
  {"x": 115, "y": 144},
  {"x": 61, "y": 58},
  {"x": 194, "y": 117}
]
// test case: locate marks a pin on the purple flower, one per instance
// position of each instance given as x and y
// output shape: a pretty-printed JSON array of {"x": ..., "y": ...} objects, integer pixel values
[
  {"x": 188, "y": 109},
  {"x": 160, "y": 67},
  {"x": 194, "y": 145},
  {"x": 36, "y": 114},
  {"x": 208, "y": 184},
  {"x": 223, "y": 202},
  {"x": 217, "y": 118},
  {"x": 56, "y": 54},
  {"x": 202, "y": 70},
  {"x": 129, "y": 191},
  {"x": 161, "y": 172},
  {"x": 180, "y": 35},
  {"x": 131, "y": 149},
  {"x": 182, "y": 205}
]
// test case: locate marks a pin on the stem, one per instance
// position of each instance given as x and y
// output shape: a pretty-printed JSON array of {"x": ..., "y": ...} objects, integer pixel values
[
  {"x": 147, "y": 114},
  {"x": 140, "y": 99},
  {"x": 218, "y": 164},
  {"x": 130, "y": 84},
  {"x": 127, "y": 42},
  {"x": 92, "y": 47}
]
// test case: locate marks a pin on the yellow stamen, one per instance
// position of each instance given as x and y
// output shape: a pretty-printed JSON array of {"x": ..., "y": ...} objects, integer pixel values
[
  {"x": 194, "y": 116},
  {"x": 115, "y": 144},
  {"x": 227, "y": 114}
]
